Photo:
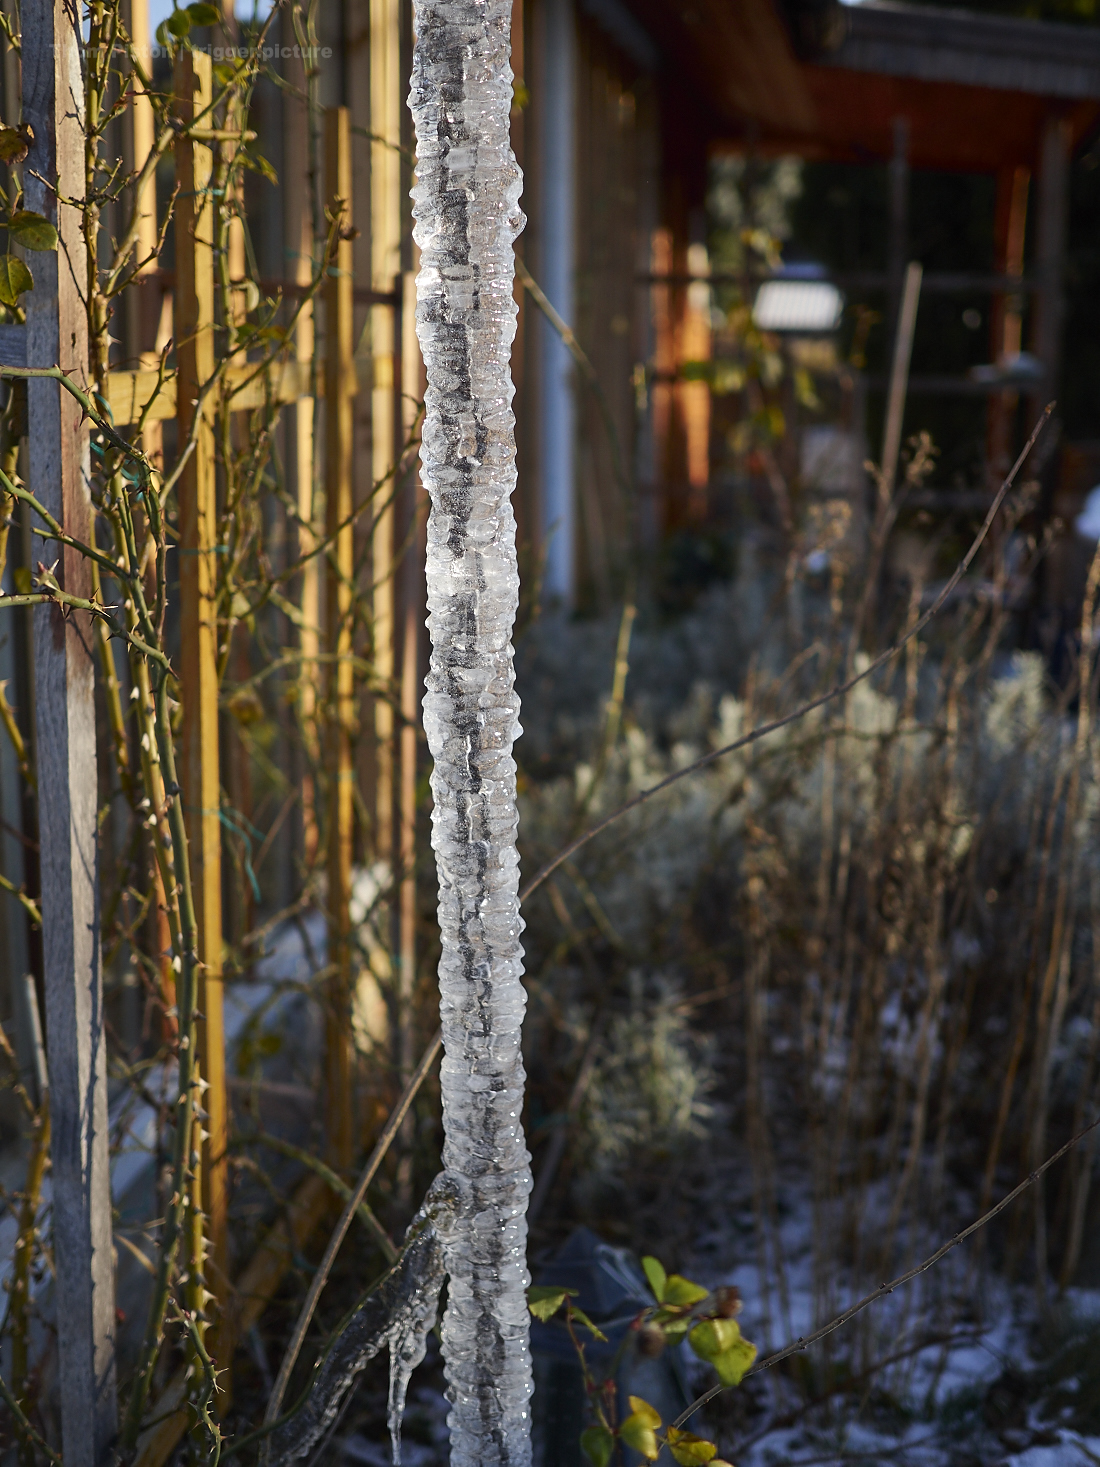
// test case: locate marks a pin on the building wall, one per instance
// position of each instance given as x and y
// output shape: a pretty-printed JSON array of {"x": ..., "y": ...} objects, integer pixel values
[{"x": 593, "y": 195}]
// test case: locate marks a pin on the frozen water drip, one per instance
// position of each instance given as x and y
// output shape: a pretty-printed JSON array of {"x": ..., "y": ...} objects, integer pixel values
[{"x": 466, "y": 206}]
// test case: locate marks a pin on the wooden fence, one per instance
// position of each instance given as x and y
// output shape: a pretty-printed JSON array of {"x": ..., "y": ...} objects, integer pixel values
[{"x": 369, "y": 725}]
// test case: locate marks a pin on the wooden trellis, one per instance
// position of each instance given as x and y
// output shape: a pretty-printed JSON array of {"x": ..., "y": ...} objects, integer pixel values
[{"x": 56, "y": 333}]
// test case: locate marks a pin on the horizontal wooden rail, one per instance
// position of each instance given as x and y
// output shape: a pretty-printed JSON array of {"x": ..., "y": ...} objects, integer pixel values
[
  {"x": 271, "y": 285},
  {"x": 942, "y": 283},
  {"x": 947, "y": 386},
  {"x": 128, "y": 393}
]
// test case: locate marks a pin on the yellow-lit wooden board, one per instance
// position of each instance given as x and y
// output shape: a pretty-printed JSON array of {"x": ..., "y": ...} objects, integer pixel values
[{"x": 249, "y": 387}]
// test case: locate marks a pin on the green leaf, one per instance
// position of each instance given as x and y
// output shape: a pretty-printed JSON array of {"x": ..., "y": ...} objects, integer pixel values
[
  {"x": 733, "y": 1364},
  {"x": 597, "y": 1444},
  {"x": 164, "y": 36},
  {"x": 13, "y": 145},
  {"x": 645, "y": 1412},
  {"x": 204, "y": 14},
  {"x": 639, "y": 1428},
  {"x": 690, "y": 1450},
  {"x": 179, "y": 23},
  {"x": 15, "y": 278},
  {"x": 656, "y": 1276},
  {"x": 544, "y": 1300},
  {"x": 682, "y": 1292},
  {"x": 719, "y": 1342},
  {"x": 32, "y": 231},
  {"x": 713, "y": 1337},
  {"x": 580, "y": 1315}
]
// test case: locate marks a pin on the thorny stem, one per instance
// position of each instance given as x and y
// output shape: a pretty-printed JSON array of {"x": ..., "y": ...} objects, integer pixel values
[
  {"x": 29, "y": 1438},
  {"x": 21, "y": 1264},
  {"x": 186, "y": 987}
]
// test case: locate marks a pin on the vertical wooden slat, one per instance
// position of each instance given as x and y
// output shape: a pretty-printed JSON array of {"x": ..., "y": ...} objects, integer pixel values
[
  {"x": 412, "y": 687},
  {"x": 140, "y": 304},
  {"x": 139, "y": 124},
  {"x": 58, "y": 458},
  {"x": 339, "y": 570},
  {"x": 898, "y": 389},
  {"x": 556, "y": 267},
  {"x": 298, "y": 237},
  {"x": 1052, "y": 217},
  {"x": 897, "y": 240},
  {"x": 194, "y": 333},
  {"x": 695, "y": 394},
  {"x": 385, "y": 232},
  {"x": 1006, "y": 320},
  {"x": 663, "y": 366}
]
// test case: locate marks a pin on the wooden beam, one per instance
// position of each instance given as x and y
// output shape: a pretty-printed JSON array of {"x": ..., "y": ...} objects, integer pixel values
[
  {"x": 141, "y": 126},
  {"x": 58, "y": 469},
  {"x": 129, "y": 393},
  {"x": 297, "y": 186},
  {"x": 200, "y": 778},
  {"x": 414, "y": 599},
  {"x": 339, "y": 573},
  {"x": 979, "y": 51},
  {"x": 386, "y": 102},
  {"x": 898, "y": 222},
  {"x": 1006, "y": 316},
  {"x": 899, "y": 381},
  {"x": 1052, "y": 220}
]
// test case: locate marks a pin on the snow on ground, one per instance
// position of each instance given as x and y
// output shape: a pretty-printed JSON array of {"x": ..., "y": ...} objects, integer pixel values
[
  {"x": 994, "y": 1385},
  {"x": 294, "y": 952}
]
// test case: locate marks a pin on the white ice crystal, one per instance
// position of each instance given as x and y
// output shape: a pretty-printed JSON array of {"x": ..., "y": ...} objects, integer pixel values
[{"x": 467, "y": 217}]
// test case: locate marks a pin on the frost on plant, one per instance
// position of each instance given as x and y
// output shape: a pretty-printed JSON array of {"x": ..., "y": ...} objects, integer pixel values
[
  {"x": 467, "y": 217},
  {"x": 397, "y": 1313}
]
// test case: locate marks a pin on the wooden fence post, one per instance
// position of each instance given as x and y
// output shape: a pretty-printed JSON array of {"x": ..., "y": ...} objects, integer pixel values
[
  {"x": 194, "y": 333},
  {"x": 386, "y": 103},
  {"x": 298, "y": 233},
  {"x": 58, "y": 463},
  {"x": 1051, "y": 224},
  {"x": 1006, "y": 316},
  {"x": 414, "y": 598},
  {"x": 339, "y": 573}
]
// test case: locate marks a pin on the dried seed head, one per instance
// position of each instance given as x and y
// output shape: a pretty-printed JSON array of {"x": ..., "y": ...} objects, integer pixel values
[
  {"x": 728, "y": 1301},
  {"x": 651, "y": 1341}
]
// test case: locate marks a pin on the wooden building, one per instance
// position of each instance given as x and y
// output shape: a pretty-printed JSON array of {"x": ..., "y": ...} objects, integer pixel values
[{"x": 628, "y": 102}]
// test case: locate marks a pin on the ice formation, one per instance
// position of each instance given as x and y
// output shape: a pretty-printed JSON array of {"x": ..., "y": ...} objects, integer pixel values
[
  {"x": 466, "y": 205},
  {"x": 397, "y": 1313}
]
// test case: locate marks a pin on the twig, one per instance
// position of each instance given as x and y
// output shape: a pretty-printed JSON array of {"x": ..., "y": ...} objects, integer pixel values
[
  {"x": 23, "y": 899},
  {"x": 331, "y": 1179},
  {"x": 763, "y": 729},
  {"x": 24, "y": 1430},
  {"x": 805, "y": 1341}
]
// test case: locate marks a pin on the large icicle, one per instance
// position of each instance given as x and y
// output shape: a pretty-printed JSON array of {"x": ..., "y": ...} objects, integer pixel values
[{"x": 467, "y": 212}]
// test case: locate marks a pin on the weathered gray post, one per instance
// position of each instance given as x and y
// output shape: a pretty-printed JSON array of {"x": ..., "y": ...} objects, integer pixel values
[{"x": 53, "y": 105}]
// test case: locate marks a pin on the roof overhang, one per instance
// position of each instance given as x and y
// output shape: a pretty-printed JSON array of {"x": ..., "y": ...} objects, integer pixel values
[{"x": 974, "y": 89}]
